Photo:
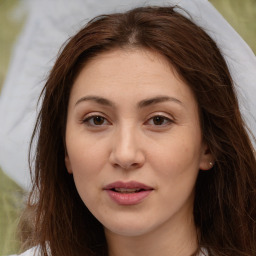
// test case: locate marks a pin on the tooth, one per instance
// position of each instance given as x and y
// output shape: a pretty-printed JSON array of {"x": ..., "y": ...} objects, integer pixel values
[{"x": 127, "y": 190}]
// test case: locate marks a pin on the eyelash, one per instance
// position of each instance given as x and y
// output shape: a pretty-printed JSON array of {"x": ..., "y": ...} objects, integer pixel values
[
  {"x": 165, "y": 119},
  {"x": 87, "y": 121}
]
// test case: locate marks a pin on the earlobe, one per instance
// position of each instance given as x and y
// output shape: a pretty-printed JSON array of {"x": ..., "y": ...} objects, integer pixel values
[
  {"x": 206, "y": 165},
  {"x": 207, "y": 160},
  {"x": 68, "y": 164}
]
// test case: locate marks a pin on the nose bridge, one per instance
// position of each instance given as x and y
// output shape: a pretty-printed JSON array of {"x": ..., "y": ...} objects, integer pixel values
[{"x": 126, "y": 151}]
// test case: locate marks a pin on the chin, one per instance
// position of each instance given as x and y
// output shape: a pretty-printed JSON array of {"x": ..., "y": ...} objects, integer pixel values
[
  {"x": 129, "y": 227},
  {"x": 126, "y": 227}
]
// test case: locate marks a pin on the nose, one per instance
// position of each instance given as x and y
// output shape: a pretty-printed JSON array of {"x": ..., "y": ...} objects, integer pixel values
[{"x": 127, "y": 152}]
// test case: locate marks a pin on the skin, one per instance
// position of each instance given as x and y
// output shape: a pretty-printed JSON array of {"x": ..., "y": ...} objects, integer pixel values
[{"x": 158, "y": 143}]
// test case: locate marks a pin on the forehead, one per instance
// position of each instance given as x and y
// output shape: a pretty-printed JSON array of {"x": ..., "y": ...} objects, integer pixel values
[
  {"x": 127, "y": 73},
  {"x": 133, "y": 63}
]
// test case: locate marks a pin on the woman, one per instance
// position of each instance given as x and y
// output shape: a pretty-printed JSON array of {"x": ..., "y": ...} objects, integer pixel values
[{"x": 141, "y": 146}]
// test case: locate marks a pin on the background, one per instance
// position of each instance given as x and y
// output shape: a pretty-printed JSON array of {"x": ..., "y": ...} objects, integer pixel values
[{"x": 241, "y": 14}]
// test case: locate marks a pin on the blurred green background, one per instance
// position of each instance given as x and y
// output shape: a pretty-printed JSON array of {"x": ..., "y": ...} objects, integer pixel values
[{"x": 241, "y": 14}]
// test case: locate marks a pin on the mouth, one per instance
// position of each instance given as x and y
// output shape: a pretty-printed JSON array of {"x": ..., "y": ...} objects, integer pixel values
[
  {"x": 127, "y": 187},
  {"x": 128, "y": 193},
  {"x": 127, "y": 190}
]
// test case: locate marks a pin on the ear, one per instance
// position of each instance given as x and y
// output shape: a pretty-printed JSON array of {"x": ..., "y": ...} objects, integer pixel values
[
  {"x": 207, "y": 160},
  {"x": 68, "y": 164}
]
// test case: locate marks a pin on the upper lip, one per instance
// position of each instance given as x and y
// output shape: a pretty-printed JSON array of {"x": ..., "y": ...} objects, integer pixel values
[{"x": 128, "y": 185}]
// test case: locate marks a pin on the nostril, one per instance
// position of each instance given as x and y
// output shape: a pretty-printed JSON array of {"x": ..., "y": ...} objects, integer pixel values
[
  {"x": 127, "y": 159},
  {"x": 127, "y": 166}
]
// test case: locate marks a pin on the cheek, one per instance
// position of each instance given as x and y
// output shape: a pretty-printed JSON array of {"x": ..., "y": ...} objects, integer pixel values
[
  {"x": 84, "y": 151},
  {"x": 86, "y": 167},
  {"x": 176, "y": 163},
  {"x": 177, "y": 154},
  {"x": 87, "y": 158},
  {"x": 176, "y": 173}
]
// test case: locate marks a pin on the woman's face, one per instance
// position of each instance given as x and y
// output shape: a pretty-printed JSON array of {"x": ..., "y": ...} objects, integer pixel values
[{"x": 134, "y": 144}]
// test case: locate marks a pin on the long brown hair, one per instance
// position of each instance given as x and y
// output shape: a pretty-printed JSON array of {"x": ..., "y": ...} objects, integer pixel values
[{"x": 225, "y": 200}]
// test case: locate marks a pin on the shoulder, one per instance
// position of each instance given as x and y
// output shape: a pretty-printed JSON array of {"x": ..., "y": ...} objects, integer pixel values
[{"x": 31, "y": 252}]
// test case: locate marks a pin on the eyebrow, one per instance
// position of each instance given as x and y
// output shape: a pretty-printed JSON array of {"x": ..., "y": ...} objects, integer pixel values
[
  {"x": 141, "y": 104},
  {"x": 158, "y": 99},
  {"x": 97, "y": 99}
]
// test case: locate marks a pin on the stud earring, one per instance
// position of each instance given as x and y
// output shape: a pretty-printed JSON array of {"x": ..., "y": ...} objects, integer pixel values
[{"x": 211, "y": 164}]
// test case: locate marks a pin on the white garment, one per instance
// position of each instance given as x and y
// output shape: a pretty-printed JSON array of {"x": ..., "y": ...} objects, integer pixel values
[
  {"x": 34, "y": 252},
  {"x": 30, "y": 252},
  {"x": 50, "y": 24}
]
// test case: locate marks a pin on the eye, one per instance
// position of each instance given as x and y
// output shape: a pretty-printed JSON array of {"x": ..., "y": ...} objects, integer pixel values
[
  {"x": 159, "y": 120},
  {"x": 95, "y": 120}
]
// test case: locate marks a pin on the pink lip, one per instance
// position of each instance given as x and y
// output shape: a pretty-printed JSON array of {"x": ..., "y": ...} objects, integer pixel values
[{"x": 128, "y": 198}]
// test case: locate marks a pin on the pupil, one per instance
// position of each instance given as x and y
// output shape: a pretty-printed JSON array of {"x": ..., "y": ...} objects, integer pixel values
[
  {"x": 98, "y": 120},
  {"x": 158, "y": 120}
]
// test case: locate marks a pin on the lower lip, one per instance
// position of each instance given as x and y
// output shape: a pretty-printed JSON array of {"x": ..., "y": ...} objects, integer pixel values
[{"x": 128, "y": 198}]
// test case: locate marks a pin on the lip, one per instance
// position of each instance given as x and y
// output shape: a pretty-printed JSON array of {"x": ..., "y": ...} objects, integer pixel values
[{"x": 128, "y": 198}]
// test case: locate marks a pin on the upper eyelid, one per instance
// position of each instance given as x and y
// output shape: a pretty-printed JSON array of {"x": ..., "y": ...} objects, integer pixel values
[
  {"x": 93, "y": 114},
  {"x": 166, "y": 118},
  {"x": 165, "y": 115}
]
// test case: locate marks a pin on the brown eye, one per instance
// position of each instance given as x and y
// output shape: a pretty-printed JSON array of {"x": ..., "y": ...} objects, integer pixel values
[
  {"x": 158, "y": 120},
  {"x": 98, "y": 120},
  {"x": 95, "y": 121}
]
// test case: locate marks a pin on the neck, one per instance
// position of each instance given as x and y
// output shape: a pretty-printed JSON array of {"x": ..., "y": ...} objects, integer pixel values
[{"x": 167, "y": 240}]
